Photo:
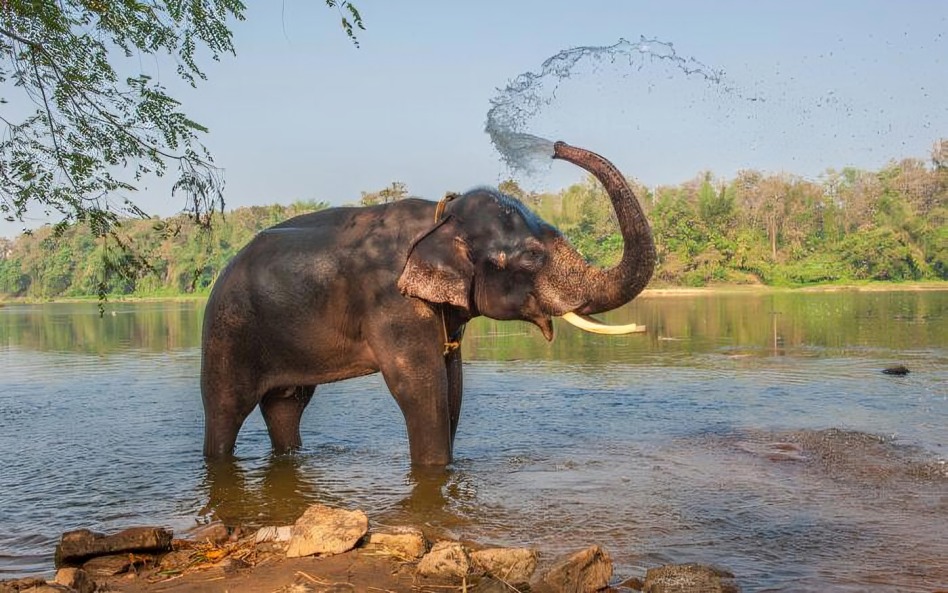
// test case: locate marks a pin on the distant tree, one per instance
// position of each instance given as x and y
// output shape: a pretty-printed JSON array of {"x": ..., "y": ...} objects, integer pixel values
[{"x": 394, "y": 192}]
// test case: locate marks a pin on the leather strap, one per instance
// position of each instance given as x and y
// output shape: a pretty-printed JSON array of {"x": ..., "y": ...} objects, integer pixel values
[{"x": 452, "y": 342}]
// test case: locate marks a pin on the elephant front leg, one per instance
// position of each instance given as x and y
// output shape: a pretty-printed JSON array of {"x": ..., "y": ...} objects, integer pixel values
[{"x": 419, "y": 383}]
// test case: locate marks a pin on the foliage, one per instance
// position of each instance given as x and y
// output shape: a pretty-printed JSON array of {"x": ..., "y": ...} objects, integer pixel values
[
  {"x": 86, "y": 124},
  {"x": 889, "y": 225},
  {"x": 73, "y": 263},
  {"x": 850, "y": 225}
]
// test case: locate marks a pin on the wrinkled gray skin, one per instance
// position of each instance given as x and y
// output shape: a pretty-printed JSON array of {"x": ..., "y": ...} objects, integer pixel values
[{"x": 347, "y": 292}]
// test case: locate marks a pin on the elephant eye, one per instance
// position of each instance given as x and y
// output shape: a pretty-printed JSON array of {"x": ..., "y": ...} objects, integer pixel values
[{"x": 531, "y": 260}]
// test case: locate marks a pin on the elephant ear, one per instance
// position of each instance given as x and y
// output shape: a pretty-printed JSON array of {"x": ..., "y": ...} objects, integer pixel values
[{"x": 439, "y": 267}]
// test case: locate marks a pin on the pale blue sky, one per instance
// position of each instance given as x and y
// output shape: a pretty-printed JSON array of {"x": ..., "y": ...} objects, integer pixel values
[{"x": 300, "y": 113}]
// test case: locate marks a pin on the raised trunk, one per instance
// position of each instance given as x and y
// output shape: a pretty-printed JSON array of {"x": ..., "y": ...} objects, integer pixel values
[{"x": 602, "y": 290}]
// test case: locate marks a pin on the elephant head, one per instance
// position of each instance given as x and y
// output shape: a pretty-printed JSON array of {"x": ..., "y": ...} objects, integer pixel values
[{"x": 489, "y": 255}]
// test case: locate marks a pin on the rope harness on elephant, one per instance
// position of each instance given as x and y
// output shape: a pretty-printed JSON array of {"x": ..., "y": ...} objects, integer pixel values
[{"x": 453, "y": 341}]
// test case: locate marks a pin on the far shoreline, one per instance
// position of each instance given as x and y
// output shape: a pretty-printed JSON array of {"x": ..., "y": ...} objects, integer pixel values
[{"x": 651, "y": 292}]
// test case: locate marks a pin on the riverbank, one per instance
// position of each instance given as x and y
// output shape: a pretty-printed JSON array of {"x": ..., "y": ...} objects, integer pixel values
[
  {"x": 661, "y": 291},
  {"x": 333, "y": 550}
]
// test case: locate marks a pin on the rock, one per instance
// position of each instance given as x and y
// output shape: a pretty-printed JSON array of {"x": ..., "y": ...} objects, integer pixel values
[
  {"x": 14, "y": 585},
  {"x": 48, "y": 588},
  {"x": 103, "y": 567},
  {"x": 176, "y": 560},
  {"x": 898, "y": 370},
  {"x": 328, "y": 531},
  {"x": 214, "y": 532},
  {"x": 447, "y": 560},
  {"x": 581, "y": 572},
  {"x": 76, "y": 579},
  {"x": 689, "y": 578},
  {"x": 631, "y": 583},
  {"x": 273, "y": 534},
  {"x": 406, "y": 543},
  {"x": 75, "y": 547},
  {"x": 489, "y": 584},
  {"x": 510, "y": 565}
]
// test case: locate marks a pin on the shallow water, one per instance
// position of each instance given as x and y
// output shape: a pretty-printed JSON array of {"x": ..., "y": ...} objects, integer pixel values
[{"x": 752, "y": 431}]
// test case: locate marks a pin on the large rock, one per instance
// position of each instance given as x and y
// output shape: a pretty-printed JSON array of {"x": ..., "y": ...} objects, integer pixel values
[
  {"x": 689, "y": 578},
  {"x": 445, "y": 560},
  {"x": 582, "y": 572},
  {"x": 326, "y": 530},
  {"x": 405, "y": 543},
  {"x": 75, "y": 547},
  {"x": 76, "y": 579},
  {"x": 510, "y": 565}
]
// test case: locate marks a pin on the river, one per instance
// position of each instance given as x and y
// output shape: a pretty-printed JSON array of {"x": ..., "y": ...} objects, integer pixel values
[{"x": 751, "y": 430}]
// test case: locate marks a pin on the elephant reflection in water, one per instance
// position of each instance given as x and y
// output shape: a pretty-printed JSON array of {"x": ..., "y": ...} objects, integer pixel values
[
  {"x": 280, "y": 491},
  {"x": 346, "y": 292}
]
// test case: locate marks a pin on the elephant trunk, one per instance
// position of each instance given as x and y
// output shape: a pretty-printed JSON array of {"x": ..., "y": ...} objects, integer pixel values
[{"x": 605, "y": 289}]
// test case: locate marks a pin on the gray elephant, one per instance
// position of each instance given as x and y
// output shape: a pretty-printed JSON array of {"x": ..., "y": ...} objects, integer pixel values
[{"x": 346, "y": 292}]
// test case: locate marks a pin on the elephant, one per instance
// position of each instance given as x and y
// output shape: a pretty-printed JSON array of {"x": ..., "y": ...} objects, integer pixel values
[{"x": 350, "y": 291}]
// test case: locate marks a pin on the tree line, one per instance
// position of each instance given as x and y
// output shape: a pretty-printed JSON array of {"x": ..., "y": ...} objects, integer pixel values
[{"x": 849, "y": 225}]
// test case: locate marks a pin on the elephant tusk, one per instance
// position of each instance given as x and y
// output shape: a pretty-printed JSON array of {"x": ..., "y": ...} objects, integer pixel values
[{"x": 587, "y": 323}]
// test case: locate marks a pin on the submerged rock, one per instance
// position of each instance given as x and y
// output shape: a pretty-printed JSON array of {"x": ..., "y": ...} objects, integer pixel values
[
  {"x": 326, "y": 530},
  {"x": 689, "y": 578}
]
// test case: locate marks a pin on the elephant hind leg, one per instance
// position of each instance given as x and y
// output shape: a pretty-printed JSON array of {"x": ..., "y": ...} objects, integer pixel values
[{"x": 282, "y": 409}]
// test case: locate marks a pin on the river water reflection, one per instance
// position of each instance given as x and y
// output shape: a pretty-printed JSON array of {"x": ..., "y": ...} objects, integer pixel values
[{"x": 750, "y": 430}]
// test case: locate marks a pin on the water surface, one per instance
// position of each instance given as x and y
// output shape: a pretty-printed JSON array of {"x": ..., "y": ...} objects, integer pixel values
[{"x": 753, "y": 431}]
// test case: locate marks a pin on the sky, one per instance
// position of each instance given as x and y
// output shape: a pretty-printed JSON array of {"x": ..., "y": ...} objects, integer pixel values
[{"x": 300, "y": 113}]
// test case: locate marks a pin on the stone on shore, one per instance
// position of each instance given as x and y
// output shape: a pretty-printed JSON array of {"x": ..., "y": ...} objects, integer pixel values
[
  {"x": 76, "y": 579},
  {"x": 584, "y": 571},
  {"x": 446, "y": 559},
  {"x": 273, "y": 533},
  {"x": 689, "y": 578},
  {"x": 75, "y": 547},
  {"x": 214, "y": 532},
  {"x": 327, "y": 531},
  {"x": 405, "y": 543},
  {"x": 16, "y": 585},
  {"x": 103, "y": 567},
  {"x": 510, "y": 565}
]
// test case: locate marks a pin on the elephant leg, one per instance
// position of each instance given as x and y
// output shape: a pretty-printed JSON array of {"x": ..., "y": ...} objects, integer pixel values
[
  {"x": 282, "y": 409},
  {"x": 225, "y": 409},
  {"x": 455, "y": 389},
  {"x": 419, "y": 383}
]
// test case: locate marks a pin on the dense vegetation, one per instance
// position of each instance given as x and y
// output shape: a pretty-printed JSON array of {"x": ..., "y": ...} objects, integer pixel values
[{"x": 776, "y": 229}]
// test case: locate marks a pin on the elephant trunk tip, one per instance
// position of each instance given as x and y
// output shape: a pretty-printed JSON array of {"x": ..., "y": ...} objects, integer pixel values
[{"x": 558, "y": 148}]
